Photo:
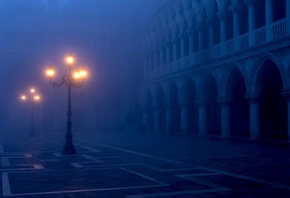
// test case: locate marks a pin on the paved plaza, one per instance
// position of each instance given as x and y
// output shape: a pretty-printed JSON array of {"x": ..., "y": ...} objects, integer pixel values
[{"x": 141, "y": 164}]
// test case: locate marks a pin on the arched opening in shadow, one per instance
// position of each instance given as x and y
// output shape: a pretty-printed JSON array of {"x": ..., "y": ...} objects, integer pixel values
[
  {"x": 189, "y": 99},
  {"x": 148, "y": 111},
  {"x": 236, "y": 88},
  {"x": 213, "y": 110},
  {"x": 174, "y": 108},
  {"x": 160, "y": 110},
  {"x": 273, "y": 106}
]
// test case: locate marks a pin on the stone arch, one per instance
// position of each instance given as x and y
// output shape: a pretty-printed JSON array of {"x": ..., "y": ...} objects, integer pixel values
[
  {"x": 193, "y": 20},
  {"x": 170, "y": 84},
  {"x": 204, "y": 28},
  {"x": 148, "y": 113},
  {"x": 209, "y": 96},
  {"x": 147, "y": 98},
  {"x": 233, "y": 89},
  {"x": 175, "y": 30},
  {"x": 213, "y": 8},
  {"x": 227, "y": 78},
  {"x": 268, "y": 83},
  {"x": 180, "y": 8},
  {"x": 183, "y": 88},
  {"x": 183, "y": 25},
  {"x": 202, "y": 83},
  {"x": 189, "y": 113},
  {"x": 158, "y": 95},
  {"x": 173, "y": 108},
  {"x": 254, "y": 85},
  {"x": 159, "y": 109}
]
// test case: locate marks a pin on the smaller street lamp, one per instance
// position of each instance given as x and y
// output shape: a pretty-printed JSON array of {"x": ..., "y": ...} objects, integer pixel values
[{"x": 31, "y": 98}]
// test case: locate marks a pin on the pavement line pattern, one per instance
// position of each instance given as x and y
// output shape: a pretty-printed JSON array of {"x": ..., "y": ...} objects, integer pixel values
[
  {"x": 275, "y": 185},
  {"x": 6, "y": 185},
  {"x": 188, "y": 192},
  {"x": 5, "y": 161},
  {"x": 91, "y": 149},
  {"x": 38, "y": 166},
  {"x": 118, "y": 156},
  {"x": 28, "y": 155},
  {"x": 134, "y": 152},
  {"x": 77, "y": 165},
  {"x": 91, "y": 158},
  {"x": 144, "y": 176},
  {"x": 205, "y": 183},
  {"x": 82, "y": 190},
  {"x": 57, "y": 154},
  {"x": 198, "y": 174}
]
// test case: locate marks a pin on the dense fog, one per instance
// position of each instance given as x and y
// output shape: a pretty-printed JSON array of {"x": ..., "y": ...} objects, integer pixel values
[{"x": 103, "y": 36}]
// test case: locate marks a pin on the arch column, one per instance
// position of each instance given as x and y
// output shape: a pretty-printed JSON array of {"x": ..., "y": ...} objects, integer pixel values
[
  {"x": 168, "y": 119},
  {"x": 286, "y": 93},
  {"x": 200, "y": 36},
  {"x": 145, "y": 63},
  {"x": 251, "y": 17},
  {"x": 235, "y": 10},
  {"x": 174, "y": 49},
  {"x": 225, "y": 116},
  {"x": 167, "y": 52},
  {"x": 146, "y": 66},
  {"x": 184, "y": 118},
  {"x": 202, "y": 117},
  {"x": 222, "y": 18},
  {"x": 151, "y": 60},
  {"x": 146, "y": 119},
  {"x": 253, "y": 99},
  {"x": 191, "y": 41},
  {"x": 182, "y": 45},
  {"x": 155, "y": 58},
  {"x": 269, "y": 19},
  {"x": 156, "y": 119},
  {"x": 161, "y": 62},
  {"x": 210, "y": 22}
]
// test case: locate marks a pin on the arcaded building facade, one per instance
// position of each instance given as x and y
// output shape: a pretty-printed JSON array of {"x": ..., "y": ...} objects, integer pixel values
[{"x": 218, "y": 67}]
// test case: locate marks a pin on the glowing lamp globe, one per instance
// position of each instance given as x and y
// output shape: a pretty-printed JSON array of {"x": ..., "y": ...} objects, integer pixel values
[{"x": 70, "y": 59}]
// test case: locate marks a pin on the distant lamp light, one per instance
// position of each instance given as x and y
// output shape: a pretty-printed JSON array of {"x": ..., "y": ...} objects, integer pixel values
[
  {"x": 32, "y": 90},
  {"x": 23, "y": 97},
  {"x": 50, "y": 72},
  {"x": 36, "y": 98},
  {"x": 70, "y": 59}
]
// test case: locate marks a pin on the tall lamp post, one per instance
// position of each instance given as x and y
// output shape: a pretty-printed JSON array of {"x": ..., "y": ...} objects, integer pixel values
[
  {"x": 31, "y": 98},
  {"x": 70, "y": 80}
]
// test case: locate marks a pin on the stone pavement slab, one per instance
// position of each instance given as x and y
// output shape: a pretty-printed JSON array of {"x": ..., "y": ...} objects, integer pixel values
[{"x": 134, "y": 165}]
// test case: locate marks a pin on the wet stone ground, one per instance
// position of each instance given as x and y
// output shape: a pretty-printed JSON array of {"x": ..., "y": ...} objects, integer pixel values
[{"x": 138, "y": 164}]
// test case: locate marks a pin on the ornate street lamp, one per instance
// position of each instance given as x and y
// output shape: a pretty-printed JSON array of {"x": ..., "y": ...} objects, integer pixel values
[
  {"x": 70, "y": 80},
  {"x": 31, "y": 98}
]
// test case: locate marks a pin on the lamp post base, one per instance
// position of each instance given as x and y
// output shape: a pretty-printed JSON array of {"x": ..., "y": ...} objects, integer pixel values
[{"x": 68, "y": 150}]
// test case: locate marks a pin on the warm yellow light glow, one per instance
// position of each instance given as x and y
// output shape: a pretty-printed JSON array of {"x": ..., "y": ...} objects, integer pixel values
[
  {"x": 50, "y": 72},
  {"x": 83, "y": 73},
  {"x": 70, "y": 59},
  {"x": 36, "y": 97},
  {"x": 32, "y": 90},
  {"x": 23, "y": 97},
  {"x": 77, "y": 75}
]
